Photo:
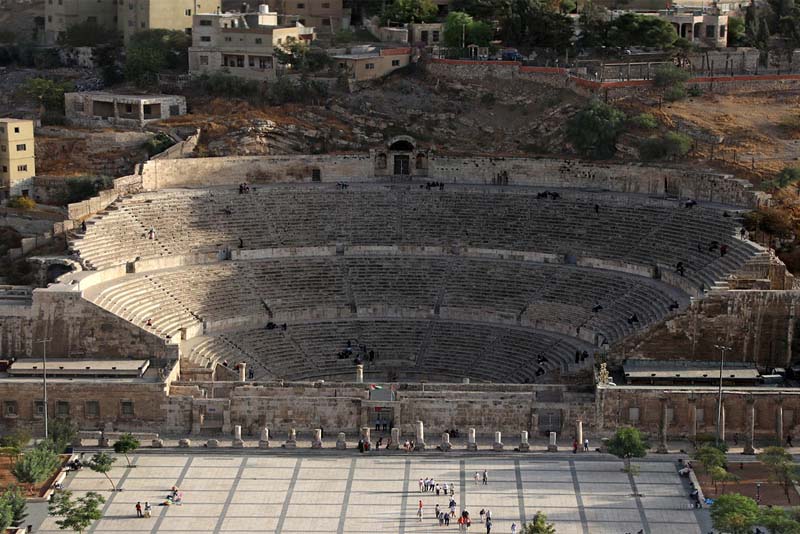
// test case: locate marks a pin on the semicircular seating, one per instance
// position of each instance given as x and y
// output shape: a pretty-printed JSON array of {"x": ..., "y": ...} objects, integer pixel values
[{"x": 384, "y": 265}]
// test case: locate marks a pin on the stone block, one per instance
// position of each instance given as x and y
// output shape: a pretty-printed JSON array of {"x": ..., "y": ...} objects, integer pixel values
[
  {"x": 158, "y": 443},
  {"x": 185, "y": 443},
  {"x": 212, "y": 443},
  {"x": 238, "y": 444}
]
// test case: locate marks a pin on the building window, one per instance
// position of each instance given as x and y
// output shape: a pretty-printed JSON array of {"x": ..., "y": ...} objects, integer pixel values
[
  {"x": 722, "y": 31},
  {"x": 711, "y": 31},
  {"x": 62, "y": 409},
  {"x": 227, "y": 39},
  {"x": 325, "y": 22},
  {"x": 701, "y": 416},
  {"x": 126, "y": 408},
  {"x": 2, "y": 148},
  {"x": 633, "y": 415},
  {"x": 370, "y": 66},
  {"x": 22, "y": 168},
  {"x": 670, "y": 416},
  {"x": 5, "y": 169},
  {"x": 301, "y": 6},
  {"x": 204, "y": 60},
  {"x": 395, "y": 63},
  {"x": 21, "y": 147},
  {"x": 10, "y": 409},
  {"x": 207, "y": 39},
  {"x": 258, "y": 40},
  {"x": 188, "y": 12},
  {"x": 205, "y": 22},
  {"x": 16, "y": 129},
  {"x": 435, "y": 36},
  {"x": 92, "y": 409},
  {"x": 38, "y": 409}
]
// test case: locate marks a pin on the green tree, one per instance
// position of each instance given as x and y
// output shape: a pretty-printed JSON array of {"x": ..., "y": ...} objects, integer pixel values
[
  {"x": 781, "y": 467},
  {"x": 302, "y": 57},
  {"x": 76, "y": 515},
  {"x": 593, "y": 131},
  {"x": 102, "y": 463},
  {"x": 720, "y": 474},
  {"x": 671, "y": 145},
  {"x": 645, "y": 120},
  {"x": 49, "y": 94},
  {"x": 89, "y": 33},
  {"x": 16, "y": 441},
  {"x": 6, "y": 516},
  {"x": 778, "y": 521},
  {"x": 627, "y": 443},
  {"x": 539, "y": 525},
  {"x": 533, "y": 24},
  {"x": 669, "y": 76},
  {"x": 14, "y": 497},
  {"x": 736, "y": 31},
  {"x": 62, "y": 432},
  {"x": 632, "y": 29},
  {"x": 37, "y": 464},
  {"x": 734, "y": 513},
  {"x": 460, "y": 30},
  {"x": 125, "y": 445},
  {"x": 710, "y": 456},
  {"x": 405, "y": 11},
  {"x": 153, "y": 51}
]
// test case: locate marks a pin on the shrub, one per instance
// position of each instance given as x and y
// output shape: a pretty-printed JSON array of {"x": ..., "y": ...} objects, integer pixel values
[
  {"x": 593, "y": 131},
  {"x": 22, "y": 203},
  {"x": 771, "y": 221},
  {"x": 645, "y": 120},
  {"x": 37, "y": 464},
  {"x": 62, "y": 432},
  {"x": 15, "y": 499},
  {"x": 670, "y": 145},
  {"x": 80, "y": 188},
  {"x": 694, "y": 91},
  {"x": 158, "y": 144},
  {"x": 734, "y": 513},
  {"x": 787, "y": 176},
  {"x": 669, "y": 76},
  {"x": 675, "y": 93}
]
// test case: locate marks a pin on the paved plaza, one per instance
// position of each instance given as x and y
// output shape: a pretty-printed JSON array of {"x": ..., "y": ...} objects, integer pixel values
[{"x": 237, "y": 492}]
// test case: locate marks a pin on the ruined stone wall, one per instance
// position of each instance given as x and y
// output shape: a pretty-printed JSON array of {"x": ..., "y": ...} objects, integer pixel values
[
  {"x": 76, "y": 328},
  {"x": 760, "y": 326}
]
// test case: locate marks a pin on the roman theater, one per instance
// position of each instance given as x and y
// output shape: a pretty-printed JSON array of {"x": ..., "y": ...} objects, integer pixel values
[{"x": 404, "y": 286}]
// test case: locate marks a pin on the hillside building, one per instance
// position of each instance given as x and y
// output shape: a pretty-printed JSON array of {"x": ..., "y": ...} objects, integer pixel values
[
  {"x": 369, "y": 62},
  {"x": 17, "y": 158},
  {"x": 61, "y": 14},
  {"x": 140, "y": 15},
  {"x": 242, "y": 44}
]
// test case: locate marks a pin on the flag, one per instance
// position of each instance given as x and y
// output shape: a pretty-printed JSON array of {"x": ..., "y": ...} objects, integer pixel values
[{"x": 375, "y": 386}]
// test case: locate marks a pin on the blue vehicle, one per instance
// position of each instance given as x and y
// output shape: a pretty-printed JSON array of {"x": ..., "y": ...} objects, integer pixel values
[{"x": 511, "y": 54}]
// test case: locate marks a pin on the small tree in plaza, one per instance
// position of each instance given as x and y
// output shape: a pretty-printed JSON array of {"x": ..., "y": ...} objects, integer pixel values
[
  {"x": 126, "y": 444},
  {"x": 539, "y": 525},
  {"x": 627, "y": 443},
  {"x": 734, "y": 513},
  {"x": 36, "y": 464},
  {"x": 102, "y": 463},
  {"x": 76, "y": 515},
  {"x": 782, "y": 468}
]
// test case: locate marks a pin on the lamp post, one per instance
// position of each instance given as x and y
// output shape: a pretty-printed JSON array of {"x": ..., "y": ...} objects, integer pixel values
[
  {"x": 722, "y": 349},
  {"x": 44, "y": 343}
]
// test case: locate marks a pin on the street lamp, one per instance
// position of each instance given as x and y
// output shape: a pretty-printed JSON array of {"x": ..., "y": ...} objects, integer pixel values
[{"x": 722, "y": 349}]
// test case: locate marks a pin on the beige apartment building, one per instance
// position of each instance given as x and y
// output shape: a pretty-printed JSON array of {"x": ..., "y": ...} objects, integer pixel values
[
  {"x": 17, "y": 160},
  {"x": 61, "y": 14},
  {"x": 242, "y": 44},
  {"x": 369, "y": 62},
  {"x": 326, "y": 15},
  {"x": 140, "y": 15}
]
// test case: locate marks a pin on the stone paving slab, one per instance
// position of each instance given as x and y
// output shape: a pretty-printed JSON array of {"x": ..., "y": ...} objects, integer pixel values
[{"x": 343, "y": 494}]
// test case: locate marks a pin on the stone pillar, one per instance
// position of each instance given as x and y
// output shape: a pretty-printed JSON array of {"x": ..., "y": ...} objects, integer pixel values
[
  {"x": 365, "y": 434},
  {"x": 395, "y": 443},
  {"x": 498, "y": 441},
  {"x": 316, "y": 443},
  {"x": 472, "y": 445},
  {"x": 662, "y": 430},
  {"x": 693, "y": 420},
  {"x": 237, "y": 437},
  {"x": 341, "y": 442},
  {"x": 579, "y": 434},
  {"x": 779, "y": 424},
  {"x": 465, "y": 380},
  {"x": 446, "y": 442},
  {"x": 226, "y": 421},
  {"x": 242, "y": 372},
  {"x": 291, "y": 440},
  {"x": 552, "y": 446},
  {"x": 141, "y": 113},
  {"x": 749, "y": 437},
  {"x": 360, "y": 373},
  {"x": 419, "y": 442},
  {"x": 524, "y": 445},
  {"x": 263, "y": 443}
]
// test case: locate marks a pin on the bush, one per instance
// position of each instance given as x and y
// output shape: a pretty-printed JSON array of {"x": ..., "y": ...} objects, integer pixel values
[
  {"x": 673, "y": 94},
  {"x": 669, "y": 76},
  {"x": 81, "y": 188},
  {"x": 670, "y": 145},
  {"x": 593, "y": 131},
  {"x": 771, "y": 221},
  {"x": 787, "y": 176},
  {"x": 158, "y": 144},
  {"x": 695, "y": 91},
  {"x": 153, "y": 51},
  {"x": 645, "y": 120},
  {"x": 22, "y": 203},
  {"x": 37, "y": 464}
]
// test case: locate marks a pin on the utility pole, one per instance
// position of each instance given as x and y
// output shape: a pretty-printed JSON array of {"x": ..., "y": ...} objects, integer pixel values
[
  {"x": 44, "y": 343},
  {"x": 722, "y": 349}
]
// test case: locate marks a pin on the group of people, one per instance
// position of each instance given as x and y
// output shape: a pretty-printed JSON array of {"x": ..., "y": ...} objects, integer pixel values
[
  {"x": 430, "y": 485},
  {"x": 552, "y": 195},
  {"x": 433, "y": 185},
  {"x": 575, "y": 445},
  {"x": 244, "y": 188}
]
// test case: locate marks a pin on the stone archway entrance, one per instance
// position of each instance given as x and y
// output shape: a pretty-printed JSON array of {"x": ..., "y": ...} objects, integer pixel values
[{"x": 402, "y": 165}]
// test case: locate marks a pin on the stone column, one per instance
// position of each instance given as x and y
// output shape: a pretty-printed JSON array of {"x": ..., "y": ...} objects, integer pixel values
[
  {"x": 498, "y": 441},
  {"x": 341, "y": 442},
  {"x": 472, "y": 445},
  {"x": 242, "y": 372},
  {"x": 579, "y": 434},
  {"x": 360, "y": 373},
  {"x": 237, "y": 437},
  {"x": 365, "y": 434},
  {"x": 693, "y": 420},
  {"x": 662, "y": 431},
  {"x": 446, "y": 442},
  {"x": 141, "y": 113},
  {"x": 316, "y": 443},
  {"x": 263, "y": 443},
  {"x": 749, "y": 438},
  {"x": 779, "y": 424},
  {"x": 395, "y": 443},
  {"x": 524, "y": 445},
  {"x": 291, "y": 440},
  {"x": 226, "y": 420},
  {"x": 552, "y": 446},
  {"x": 419, "y": 442}
]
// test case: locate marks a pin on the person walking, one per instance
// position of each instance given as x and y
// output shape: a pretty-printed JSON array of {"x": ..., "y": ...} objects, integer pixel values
[
  {"x": 139, "y": 510},
  {"x": 420, "y": 485},
  {"x": 488, "y": 525},
  {"x": 419, "y": 511},
  {"x": 513, "y": 528},
  {"x": 482, "y": 514},
  {"x": 586, "y": 445},
  {"x": 485, "y": 477},
  {"x": 476, "y": 477},
  {"x": 148, "y": 510}
]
